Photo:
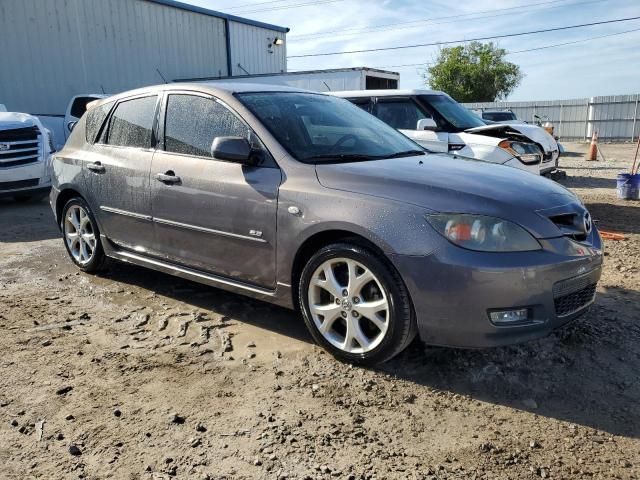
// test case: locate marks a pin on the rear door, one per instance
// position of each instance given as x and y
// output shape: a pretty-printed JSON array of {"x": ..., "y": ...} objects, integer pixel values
[
  {"x": 210, "y": 214},
  {"x": 117, "y": 172},
  {"x": 403, "y": 114}
]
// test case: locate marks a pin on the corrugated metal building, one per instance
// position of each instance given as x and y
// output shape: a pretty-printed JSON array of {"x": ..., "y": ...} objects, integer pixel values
[{"x": 55, "y": 49}]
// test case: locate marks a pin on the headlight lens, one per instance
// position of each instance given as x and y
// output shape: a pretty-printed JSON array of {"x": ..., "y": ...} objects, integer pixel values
[
  {"x": 527, "y": 153},
  {"x": 485, "y": 234}
]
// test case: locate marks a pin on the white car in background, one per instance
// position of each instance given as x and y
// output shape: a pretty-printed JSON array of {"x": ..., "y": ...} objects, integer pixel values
[
  {"x": 440, "y": 124},
  {"x": 25, "y": 149}
]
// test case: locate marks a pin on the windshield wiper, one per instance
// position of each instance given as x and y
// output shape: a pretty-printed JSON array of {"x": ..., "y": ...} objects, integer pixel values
[
  {"x": 356, "y": 157},
  {"x": 406, "y": 153},
  {"x": 345, "y": 157}
]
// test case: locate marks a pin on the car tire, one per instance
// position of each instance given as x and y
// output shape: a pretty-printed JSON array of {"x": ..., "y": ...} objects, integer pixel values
[
  {"x": 339, "y": 290},
  {"x": 81, "y": 236}
]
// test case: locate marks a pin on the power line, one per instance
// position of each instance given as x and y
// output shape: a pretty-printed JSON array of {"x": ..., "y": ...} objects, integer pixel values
[
  {"x": 288, "y": 6},
  {"x": 448, "y": 42},
  {"x": 245, "y": 5},
  {"x": 526, "y": 50},
  {"x": 391, "y": 26}
]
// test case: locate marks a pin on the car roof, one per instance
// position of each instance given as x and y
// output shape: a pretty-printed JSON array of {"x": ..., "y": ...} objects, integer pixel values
[
  {"x": 385, "y": 93},
  {"x": 218, "y": 89}
]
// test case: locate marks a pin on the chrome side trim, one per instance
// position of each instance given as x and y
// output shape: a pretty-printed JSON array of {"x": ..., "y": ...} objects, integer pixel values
[
  {"x": 126, "y": 213},
  {"x": 190, "y": 273},
  {"x": 208, "y": 230}
]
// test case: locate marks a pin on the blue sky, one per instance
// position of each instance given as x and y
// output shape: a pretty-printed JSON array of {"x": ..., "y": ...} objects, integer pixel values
[{"x": 604, "y": 66}]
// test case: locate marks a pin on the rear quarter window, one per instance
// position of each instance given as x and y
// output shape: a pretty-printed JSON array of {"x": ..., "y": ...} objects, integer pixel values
[{"x": 95, "y": 118}]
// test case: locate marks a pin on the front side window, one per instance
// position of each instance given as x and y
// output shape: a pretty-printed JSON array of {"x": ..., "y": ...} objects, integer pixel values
[
  {"x": 131, "y": 123},
  {"x": 400, "y": 114},
  {"x": 193, "y": 122},
  {"x": 317, "y": 128}
]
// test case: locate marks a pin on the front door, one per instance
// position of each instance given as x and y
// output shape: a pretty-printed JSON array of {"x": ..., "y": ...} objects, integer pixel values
[
  {"x": 210, "y": 214},
  {"x": 403, "y": 114},
  {"x": 117, "y": 173}
]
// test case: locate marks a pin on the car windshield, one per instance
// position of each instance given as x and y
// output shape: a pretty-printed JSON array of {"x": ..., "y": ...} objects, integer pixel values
[
  {"x": 453, "y": 112},
  {"x": 317, "y": 128},
  {"x": 498, "y": 116}
]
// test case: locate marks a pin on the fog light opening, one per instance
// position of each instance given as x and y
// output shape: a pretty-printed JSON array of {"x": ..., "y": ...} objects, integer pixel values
[{"x": 509, "y": 317}]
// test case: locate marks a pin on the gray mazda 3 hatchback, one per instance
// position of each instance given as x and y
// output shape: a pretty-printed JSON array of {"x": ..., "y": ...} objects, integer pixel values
[{"x": 306, "y": 201}]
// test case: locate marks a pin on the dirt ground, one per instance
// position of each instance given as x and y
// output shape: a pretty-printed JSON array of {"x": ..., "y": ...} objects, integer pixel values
[{"x": 138, "y": 375}]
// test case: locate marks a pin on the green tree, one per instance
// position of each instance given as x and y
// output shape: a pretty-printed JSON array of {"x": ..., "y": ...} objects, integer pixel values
[{"x": 475, "y": 72}]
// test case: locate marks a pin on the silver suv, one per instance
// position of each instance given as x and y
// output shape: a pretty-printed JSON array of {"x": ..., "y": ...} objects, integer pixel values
[{"x": 306, "y": 201}]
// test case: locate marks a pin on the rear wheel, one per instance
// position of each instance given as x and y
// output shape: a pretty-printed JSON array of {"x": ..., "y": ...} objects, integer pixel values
[
  {"x": 355, "y": 304},
  {"x": 81, "y": 236}
]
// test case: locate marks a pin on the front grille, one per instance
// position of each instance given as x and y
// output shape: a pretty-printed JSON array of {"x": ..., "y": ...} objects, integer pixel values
[
  {"x": 570, "y": 224},
  {"x": 19, "y": 184},
  {"x": 572, "y": 302},
  {"x": 19, "y": 146}
]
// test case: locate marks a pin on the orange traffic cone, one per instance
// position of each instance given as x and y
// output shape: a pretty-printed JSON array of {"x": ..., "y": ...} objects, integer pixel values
[{"x": 592, "y": 154}]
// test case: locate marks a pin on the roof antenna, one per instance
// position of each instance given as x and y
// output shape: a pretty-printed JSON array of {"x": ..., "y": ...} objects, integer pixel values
[
  {"x": 102, "y": 88},
  {"x": 243, "y": 69},
  {"x": 325, "y": 84},
  {"x": 161, "y": 76}
]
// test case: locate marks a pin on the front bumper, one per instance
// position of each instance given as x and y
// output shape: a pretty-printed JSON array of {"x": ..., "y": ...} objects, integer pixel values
[
  {"x": 31, "y": 179},
  {"x": 550, "y": 162},
  {"x": 453, "y": 290}
]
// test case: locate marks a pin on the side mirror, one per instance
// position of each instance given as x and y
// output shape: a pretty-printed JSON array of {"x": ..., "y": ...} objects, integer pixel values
[
  {"x": 426, "y": 124},
  {"x": 71, "y": 126},
  {"x": 233, "y": 149}
]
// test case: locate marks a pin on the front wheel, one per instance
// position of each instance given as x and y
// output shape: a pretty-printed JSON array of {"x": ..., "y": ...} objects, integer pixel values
[
  {"x": 355, "y": 304},
  {"x": 81, "y": 236}
]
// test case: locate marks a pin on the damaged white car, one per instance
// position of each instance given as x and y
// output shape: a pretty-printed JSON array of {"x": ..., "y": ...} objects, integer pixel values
[
  {"x": 440, "y": 124},
  {"x": 25, "y": 148}
]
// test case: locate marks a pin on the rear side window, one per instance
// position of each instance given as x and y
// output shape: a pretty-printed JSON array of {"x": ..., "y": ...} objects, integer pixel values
[
  {"x": 79, "y": 106},
  {"x": 193, "y": 122},
  {"x": 131, "y": 123},
  {"x": 400, "y": 114},
  {"x": 95, "y": 118}
]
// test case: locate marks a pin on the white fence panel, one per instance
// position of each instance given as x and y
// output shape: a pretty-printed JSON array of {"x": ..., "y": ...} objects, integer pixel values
[{"x": 615, "y": 118}]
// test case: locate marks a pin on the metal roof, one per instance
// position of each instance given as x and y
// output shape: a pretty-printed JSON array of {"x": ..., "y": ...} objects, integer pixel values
[
  {"x": 386, "y": 93},
  {"x": 214, "y": 13},
  {"x": 291, "y": 73}
]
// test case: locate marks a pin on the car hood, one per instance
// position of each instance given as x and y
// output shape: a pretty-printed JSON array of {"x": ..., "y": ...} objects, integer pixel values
[
  {"x": 534, "y": 133},
  {"x": 12, "y": 120},
  {"x": 446, "y": 183}
]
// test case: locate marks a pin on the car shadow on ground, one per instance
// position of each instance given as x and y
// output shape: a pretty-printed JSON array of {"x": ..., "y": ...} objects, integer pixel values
[
  {"x": 579, "y": 374},
  {"x": 26, "y": 222},
  {"x": 588, "y": 182},
  {"x": 617, "y": 217},
  {"x": 198, "y": 296},
  {"x": 582, "y": 374}
]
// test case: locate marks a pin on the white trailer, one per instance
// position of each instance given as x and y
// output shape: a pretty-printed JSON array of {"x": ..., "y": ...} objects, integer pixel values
[{"x": 332, "y": 80}]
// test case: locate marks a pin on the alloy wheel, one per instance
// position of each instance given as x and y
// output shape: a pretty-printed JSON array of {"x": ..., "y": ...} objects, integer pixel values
[
  {"x": 79, "y": 234},
  {"x": 348, "y": 305}
]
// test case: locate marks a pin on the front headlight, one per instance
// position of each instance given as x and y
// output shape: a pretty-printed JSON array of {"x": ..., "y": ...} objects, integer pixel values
[
  {"x": 485, "y": 234},
  {"x": 528, "y": 153}
]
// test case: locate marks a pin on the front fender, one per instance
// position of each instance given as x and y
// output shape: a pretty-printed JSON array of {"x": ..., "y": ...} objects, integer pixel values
[{"x": 394, "y": 227}]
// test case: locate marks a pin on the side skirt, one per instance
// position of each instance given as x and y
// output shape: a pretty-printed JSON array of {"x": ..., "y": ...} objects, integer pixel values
[{"x": 281, "y": 296}]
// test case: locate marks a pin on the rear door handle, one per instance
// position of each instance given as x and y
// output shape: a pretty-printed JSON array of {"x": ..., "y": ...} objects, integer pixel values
[
  {"x": 96, "y": 167},
  {"x": 168, "y": 177}
]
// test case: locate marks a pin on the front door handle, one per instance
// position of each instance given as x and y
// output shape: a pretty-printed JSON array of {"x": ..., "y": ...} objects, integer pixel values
[
  {"x": 96, "y": 167},
  {"x": 168, "y": 177}
]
